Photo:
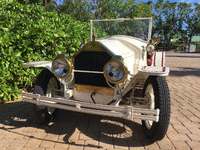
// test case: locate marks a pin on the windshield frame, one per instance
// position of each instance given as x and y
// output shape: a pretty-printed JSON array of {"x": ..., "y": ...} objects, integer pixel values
[{"x": 123, "y": 19}]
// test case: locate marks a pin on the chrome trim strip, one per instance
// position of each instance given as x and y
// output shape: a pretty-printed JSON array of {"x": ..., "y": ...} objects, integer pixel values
[{"x": 84, "y": 71}]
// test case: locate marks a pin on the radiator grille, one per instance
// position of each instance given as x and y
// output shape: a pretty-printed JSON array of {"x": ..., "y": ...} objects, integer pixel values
[{"x": 91, "y": 61}]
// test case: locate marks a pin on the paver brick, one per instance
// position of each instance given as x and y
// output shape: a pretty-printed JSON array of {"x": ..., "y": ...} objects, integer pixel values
[
  {"x": 181, "y": 145},
  {"x": 183, "y": 131},
  {"x": 3, "y": 148},
  {"x": 3, "y": 133},
  {"x": 89, "y": 144},
  {"x": 177, "y": 137},
  {"x": 31, "y": 128},
  {"x": 194, "y": 129},
  {"x": 59, "y": 145},
  {"x": 17, "y": 144},
  {"x": 83, "y": 136},
  {"x": 75, "y": 136},
  {"x": 34, "y": 143},
  {"x": 5, "y": 142},
  {"x": 174, "y": 121},
  {"x": 76, "y": 145},
  {"x": 153, "y": 146},
  {"x": 194, "y": 145},
  {"x": 194, "y": 137},
  {"x": 165, "y": 143},
  {"x": 12, "y": 135},
  {"x": 30, "y": 148},
  {"x": 136, "y": 148},
  {"x": 49, "y": 141}
]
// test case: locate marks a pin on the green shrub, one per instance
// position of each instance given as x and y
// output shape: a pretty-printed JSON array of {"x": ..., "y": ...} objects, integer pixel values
[
  {"x": 30, "y": 33},
  {"x": 174, "y": 44}
]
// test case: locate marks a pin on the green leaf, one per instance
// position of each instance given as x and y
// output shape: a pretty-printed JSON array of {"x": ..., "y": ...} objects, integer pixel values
[
  {"x": 18, "y": 54},
  {"x": 18, "y": 36},
  {"x": 5, "y": 29}
]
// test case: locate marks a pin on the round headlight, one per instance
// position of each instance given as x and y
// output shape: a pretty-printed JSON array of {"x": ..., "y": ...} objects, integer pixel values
[
  {"x": 150, "y": 48},
  {"x": 115, "y": 71},
  {"x": 61, "y": 68}
]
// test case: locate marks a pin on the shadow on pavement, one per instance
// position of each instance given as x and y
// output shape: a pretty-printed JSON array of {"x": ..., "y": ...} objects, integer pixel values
[
  {"x": 108, "y": 130},
  {"x": 185, "y": 72},
  {"x": 183, "y": 56}
]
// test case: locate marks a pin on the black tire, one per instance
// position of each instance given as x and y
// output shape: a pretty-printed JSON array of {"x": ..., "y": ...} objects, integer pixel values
[
  {"x": 41, "y": 88},
  {"x": 162, "y": 102}
]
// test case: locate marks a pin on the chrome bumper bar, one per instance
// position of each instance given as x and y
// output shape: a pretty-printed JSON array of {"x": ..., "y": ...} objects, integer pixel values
[{"x": 127, "y": 112}]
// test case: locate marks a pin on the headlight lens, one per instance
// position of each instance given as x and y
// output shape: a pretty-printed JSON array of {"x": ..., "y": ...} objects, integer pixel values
[
  {"x": 150, "y": 48},
  {"x": 61, "y": 68},
  {"x": 115, "y": 72}
]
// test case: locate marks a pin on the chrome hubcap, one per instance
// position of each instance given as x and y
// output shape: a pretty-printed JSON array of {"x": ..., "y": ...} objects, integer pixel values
[{"x": 51, "y": 85}]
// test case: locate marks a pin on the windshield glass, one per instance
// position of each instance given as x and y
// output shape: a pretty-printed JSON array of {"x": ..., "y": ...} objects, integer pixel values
[{"x": 138, "y": 27}]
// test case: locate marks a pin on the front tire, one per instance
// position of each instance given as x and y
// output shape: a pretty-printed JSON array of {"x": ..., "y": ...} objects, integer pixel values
[
  {"x": 157, "y": 92},
  {"x": 46, "y": 81}
]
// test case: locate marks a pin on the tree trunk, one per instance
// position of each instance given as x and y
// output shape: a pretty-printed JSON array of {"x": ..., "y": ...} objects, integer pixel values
[
  {"x": 168, "y": 39},
  {"x": 190, "y": 39}
]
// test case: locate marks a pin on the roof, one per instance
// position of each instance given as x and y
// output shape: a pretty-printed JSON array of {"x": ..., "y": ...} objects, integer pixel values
[{"x": 195, "y": 38}]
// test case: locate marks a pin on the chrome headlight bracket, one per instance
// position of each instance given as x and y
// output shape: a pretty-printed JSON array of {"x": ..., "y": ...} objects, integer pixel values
[
  {"x": 61, "y": 67},
  {"x": 151, "y": 45},
  {"x": 115, "y": 71}
]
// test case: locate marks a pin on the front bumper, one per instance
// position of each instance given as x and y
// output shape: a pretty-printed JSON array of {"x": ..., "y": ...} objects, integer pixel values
[{"x": 127, "y": 112}]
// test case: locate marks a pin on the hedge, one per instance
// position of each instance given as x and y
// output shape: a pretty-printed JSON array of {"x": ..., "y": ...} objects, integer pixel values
[{"x": 31, "y": 33}]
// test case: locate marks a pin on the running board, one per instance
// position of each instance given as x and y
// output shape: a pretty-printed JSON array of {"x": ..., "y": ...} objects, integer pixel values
[{"x": 127, "y": 112}]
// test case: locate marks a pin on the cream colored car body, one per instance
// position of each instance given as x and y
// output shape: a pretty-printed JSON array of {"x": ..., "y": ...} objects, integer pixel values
[{"x": 134, "y": 53}]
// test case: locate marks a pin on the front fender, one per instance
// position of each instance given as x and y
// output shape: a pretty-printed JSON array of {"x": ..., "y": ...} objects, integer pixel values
[
  {"x": 47, "y": 64},
  {"x": 154, "y": 71}
]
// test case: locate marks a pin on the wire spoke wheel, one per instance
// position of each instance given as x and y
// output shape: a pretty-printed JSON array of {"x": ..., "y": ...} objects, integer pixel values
[
  {"x": 53, "y": 84},
  {"x": 149, "y": 93},
  {"x": 45, "y": 85}
]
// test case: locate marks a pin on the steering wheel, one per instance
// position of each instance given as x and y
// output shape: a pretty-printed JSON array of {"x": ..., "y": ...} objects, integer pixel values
[{"x": 137, "y": 34}]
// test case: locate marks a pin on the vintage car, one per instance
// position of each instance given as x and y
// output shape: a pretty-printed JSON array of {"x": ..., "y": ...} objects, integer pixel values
[{"x": 118, "y": 74}]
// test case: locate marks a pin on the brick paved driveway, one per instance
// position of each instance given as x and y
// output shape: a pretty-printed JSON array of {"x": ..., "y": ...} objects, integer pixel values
[{"x": 19, "y": 129}]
